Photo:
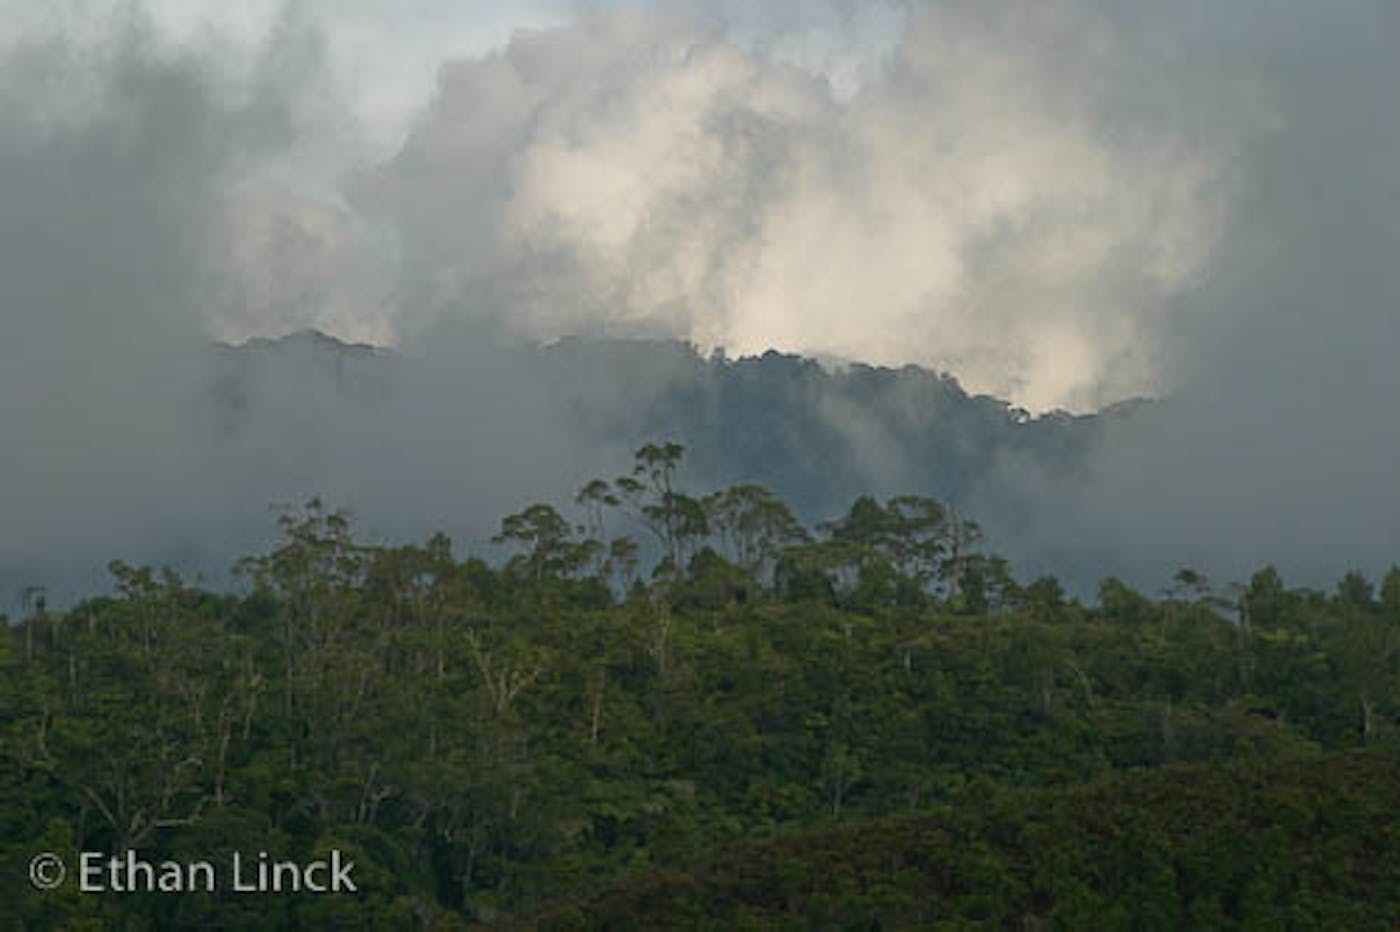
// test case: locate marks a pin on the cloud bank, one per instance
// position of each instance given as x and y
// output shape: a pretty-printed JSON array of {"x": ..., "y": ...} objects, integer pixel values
[
  {"x": 1281, "y": 442},
  {"x": 126, "y": 433},
  {"x": 985, "y": 204},
  {"x": 1063, "y": 203}
]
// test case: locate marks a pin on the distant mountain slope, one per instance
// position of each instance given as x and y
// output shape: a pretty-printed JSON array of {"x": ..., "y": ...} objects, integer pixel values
[{"x": 817, "y": 435}]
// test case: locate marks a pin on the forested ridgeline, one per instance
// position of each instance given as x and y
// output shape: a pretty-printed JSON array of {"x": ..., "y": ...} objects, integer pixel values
[
  {"x": 730, "y": 719},
  {"x": 819, "y": 435}
]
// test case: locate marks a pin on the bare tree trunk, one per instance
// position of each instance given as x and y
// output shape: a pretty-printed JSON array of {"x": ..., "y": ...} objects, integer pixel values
[{"x": 595, "y": 719}]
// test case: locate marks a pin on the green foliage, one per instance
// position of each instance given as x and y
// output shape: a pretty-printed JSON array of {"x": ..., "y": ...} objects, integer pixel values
[
  {"x": 1390, "y": 595},
  {"x": 1298, "y": 844},
  {"x": 870, "y": 725}
]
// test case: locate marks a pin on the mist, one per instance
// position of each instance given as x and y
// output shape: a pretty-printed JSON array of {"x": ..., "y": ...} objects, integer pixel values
[
  {"x": 1280, "y": 443},
  {"x": 1063, "y": 204},
  {"x": 120, "y": 440}
]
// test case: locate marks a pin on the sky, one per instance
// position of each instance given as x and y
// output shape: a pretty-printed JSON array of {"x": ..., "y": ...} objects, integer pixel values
[{"x": 1064, "y": 203}]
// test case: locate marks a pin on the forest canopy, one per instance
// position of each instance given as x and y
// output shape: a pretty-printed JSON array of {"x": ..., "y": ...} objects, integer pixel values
[{"x": 665, "y": 705}]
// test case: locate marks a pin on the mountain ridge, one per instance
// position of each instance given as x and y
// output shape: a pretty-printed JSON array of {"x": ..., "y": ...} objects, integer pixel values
[{"x": 818, "y": 435}]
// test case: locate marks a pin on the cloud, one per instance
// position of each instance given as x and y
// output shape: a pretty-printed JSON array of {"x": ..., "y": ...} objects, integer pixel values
[
  {"x": 1063, "y": 203},
  {"x": 1280, "y": 442},
  {"x": 107, "y": 173},
  {"x": 983, "y": 204},
  {"x": 141, "y": 204}
]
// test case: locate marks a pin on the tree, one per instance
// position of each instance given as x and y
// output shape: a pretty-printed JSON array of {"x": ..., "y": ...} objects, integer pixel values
[
  {"x": 548, "y": 540},
  {"x": 1390, "y": 595},
  {"x": 676, "y": 520},
  {"x": 313, "y": 574},
  {"x": 1044, "y": 597},
  {"x": 1356, "y": 591},
  {"x": 1188, "y": 583},
  {"x": 962, "y": 536},
  {"x": 623, "y": 557},
  {"x": 894, "y": 550},
  {"x": 753, "y": 525},
  {"x": 987, "y": 585},
  {"x": 595, "y": 498},
  {"x": 1122, "y": 603},
  {"x": 918, "y": 536},
  {"x": 1265, "y": 599},
  {"x": 1369, "y": 654},
  {"x": 414, "y": 583}
]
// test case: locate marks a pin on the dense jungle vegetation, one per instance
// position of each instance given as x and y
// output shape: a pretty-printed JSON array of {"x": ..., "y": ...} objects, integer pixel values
[{"x": 673, "y": 709}]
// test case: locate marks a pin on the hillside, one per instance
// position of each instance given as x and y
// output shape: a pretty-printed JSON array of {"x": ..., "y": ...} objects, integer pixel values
[
  {"x": 1295, "y": 844},
  {"x": 871, "y": 721}
]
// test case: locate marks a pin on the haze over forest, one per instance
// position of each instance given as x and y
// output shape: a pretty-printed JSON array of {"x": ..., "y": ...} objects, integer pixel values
[{"x": 1062, "y": 206}]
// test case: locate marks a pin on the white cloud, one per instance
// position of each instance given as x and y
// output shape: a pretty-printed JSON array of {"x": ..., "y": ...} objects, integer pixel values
[{"x": 981, "y": 205}]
